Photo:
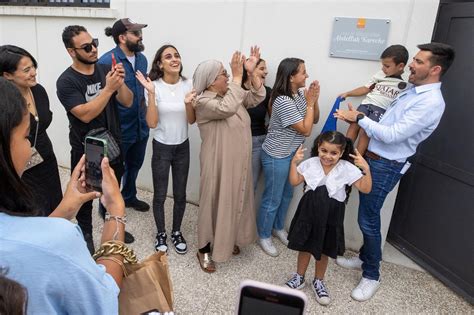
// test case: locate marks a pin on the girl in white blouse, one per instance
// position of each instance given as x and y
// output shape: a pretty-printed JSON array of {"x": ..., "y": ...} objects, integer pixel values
[{"x": 317, "y": 228}]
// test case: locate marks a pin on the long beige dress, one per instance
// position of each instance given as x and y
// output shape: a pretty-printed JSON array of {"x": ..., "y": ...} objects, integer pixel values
[{"x": 226, "y": 203}]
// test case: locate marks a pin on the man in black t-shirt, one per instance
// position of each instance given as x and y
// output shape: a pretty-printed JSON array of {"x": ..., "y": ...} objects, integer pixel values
[{"x": 89, "y": 92}]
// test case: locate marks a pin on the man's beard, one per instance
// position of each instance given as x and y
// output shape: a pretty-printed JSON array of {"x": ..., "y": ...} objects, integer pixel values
[
  {"x": 135, "y": 47},
  {"x": 85, "y": 61}
]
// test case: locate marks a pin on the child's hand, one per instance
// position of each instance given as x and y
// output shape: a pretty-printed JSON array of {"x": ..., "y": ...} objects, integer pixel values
[
  {"x": 360, "y": 162},
  {"x": 343, "y": 96},
  {"x": 299, "y": 155}
]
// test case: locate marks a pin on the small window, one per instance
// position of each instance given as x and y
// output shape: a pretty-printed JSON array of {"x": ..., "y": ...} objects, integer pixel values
[{"x": 58, "y": 3}]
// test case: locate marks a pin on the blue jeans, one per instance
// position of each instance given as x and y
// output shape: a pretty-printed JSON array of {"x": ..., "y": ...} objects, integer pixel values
[
  {"x": 257, "y": 142},
  {"x": 133, "y": 156},
  {"x": 385, "y": 175},
  {"x": 276, "y": 196}
]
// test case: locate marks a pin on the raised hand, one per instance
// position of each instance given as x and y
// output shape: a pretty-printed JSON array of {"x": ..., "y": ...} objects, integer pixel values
[
  {"x": 312, "y": 93},
  {"x": 236, "y": 66},
  {"x": 360, "y": 162},
  {"x": 119, "y": 69},
  {"x": 113, "y": 80},
  {"x": 190, "y": 98},
  {"x": 347, "y": 115},
  {"x": 251, "y": 62},
  {"x": 299, "y": 155},
  {"x": 146, "y": 82}
]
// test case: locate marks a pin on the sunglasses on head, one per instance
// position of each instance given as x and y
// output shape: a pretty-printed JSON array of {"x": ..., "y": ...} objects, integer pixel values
[{"x": 88, "y": 47}]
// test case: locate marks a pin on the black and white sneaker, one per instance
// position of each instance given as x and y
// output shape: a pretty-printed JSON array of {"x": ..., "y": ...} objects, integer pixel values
[
  {"x": 179, "y": 242},
  {"x": 321, "y": 292},
  {"x": 296, "y": 281},
  {"x": 160, "y": 242}
]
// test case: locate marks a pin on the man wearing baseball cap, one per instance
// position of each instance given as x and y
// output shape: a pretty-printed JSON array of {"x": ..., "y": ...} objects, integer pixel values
[{"x": 127, "y": 34}]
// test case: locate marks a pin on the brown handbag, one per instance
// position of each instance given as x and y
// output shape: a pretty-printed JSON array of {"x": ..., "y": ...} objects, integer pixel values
[{"x": 147, "y": 287}]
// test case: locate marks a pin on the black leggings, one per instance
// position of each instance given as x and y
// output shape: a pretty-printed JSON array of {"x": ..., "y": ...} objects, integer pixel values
[{"x": 164, "y": 157}]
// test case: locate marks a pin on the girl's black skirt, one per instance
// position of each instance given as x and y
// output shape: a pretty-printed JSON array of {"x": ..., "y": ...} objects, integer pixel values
[{"x": 318, "y": 225}]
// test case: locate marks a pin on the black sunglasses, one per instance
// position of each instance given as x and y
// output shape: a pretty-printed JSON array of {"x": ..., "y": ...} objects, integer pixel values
[
  {"x": 137, "y": 33},
  {"x": 88, "y": 47}
]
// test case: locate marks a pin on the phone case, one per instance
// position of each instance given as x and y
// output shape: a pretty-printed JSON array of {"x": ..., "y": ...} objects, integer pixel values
[{"x": 274, "y": 289}]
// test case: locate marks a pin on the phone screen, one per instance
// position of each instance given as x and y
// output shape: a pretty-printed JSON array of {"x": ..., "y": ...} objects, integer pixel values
[
  {"x": 95, "y": 152},
  {"x": 255, "y": 300}
]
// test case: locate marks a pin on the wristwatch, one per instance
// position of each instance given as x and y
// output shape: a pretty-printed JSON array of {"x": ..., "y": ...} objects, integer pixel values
[{"x": 359, "y": 117}]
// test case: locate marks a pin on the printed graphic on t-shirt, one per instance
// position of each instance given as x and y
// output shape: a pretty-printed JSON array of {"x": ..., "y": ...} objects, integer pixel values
[
  {"x": 93, "y": 90},
  {"x": 387, "y": 91}
]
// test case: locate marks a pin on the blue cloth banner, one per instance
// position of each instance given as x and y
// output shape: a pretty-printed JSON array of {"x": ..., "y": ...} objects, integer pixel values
[{"x": 331, "y": 121}]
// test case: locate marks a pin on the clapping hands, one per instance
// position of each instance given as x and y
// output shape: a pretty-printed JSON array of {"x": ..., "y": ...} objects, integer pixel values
[
  {"x": 251, "y": 62},
  {"x": 146, "y": 82},
  {"x": 312, "y": 93}
]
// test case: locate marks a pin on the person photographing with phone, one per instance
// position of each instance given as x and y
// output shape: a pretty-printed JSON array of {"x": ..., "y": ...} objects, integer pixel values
[
  {"x": 48, "y": 255},
  {"x": 91, "y": 94}
]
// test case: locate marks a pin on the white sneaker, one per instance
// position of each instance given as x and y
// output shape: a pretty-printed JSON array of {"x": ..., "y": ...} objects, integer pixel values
[
  {"x": 349, "y": 263},
  {"x": 282, "y": 235},
  {"x": 267, "y": 245},
  {"x": 365, "y": 289}
]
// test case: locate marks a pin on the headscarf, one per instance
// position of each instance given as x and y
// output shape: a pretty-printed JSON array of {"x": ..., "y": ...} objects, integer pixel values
[{"x": 205, "y": 74}]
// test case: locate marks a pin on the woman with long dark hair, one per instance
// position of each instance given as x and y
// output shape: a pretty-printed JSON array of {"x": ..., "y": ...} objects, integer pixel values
[
  {"x": 294, "y": 111},
  {"x": 169, "y": 99},
  {"x": 18, "y": 66},
  {"x": 48, "y": 255},
  {"x": 258, "y": 115}
]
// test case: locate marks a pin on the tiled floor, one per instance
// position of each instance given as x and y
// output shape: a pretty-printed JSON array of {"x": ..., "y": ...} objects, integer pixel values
[{"x": 403, "y": 290}]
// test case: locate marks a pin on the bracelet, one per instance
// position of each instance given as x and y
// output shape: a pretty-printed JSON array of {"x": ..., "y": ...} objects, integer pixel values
[
  {"x": 109, "y": 217},
  {"x": 116, "y": 248},
  {"x": 117, "y": 261}
]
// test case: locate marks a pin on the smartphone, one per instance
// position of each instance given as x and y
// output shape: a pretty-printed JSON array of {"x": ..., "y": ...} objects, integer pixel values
[
  {"x": 263, "y": 298},
  {"x": 95, "y": 149},
  {"x": 114, "y": 62}
]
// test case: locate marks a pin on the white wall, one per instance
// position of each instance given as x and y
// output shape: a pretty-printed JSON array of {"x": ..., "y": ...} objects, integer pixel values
[{"x": 214, "y": 29}]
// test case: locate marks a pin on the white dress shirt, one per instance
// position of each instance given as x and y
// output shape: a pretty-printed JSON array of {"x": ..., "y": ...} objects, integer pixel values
[{"x": 409, "y": 120}]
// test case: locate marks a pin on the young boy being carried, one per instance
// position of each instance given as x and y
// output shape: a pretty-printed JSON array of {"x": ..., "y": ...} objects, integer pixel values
[{"x": 381, "y": 90}]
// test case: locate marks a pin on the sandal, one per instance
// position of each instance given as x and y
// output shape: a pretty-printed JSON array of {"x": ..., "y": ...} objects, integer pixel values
[
  {"x": 236, "y": 250},
  {"x": 206, "y": 262}
]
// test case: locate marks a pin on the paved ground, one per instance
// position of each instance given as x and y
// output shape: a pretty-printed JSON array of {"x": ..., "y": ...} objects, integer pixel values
[{"x": 403, "y": 290}]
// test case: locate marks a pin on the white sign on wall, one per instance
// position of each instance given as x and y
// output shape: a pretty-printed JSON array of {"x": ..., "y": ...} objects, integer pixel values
[{"x": 359, "y": 38}]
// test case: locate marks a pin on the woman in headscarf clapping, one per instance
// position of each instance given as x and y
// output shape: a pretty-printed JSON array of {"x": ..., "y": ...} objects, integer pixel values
[{"x": 226, "y": 218}]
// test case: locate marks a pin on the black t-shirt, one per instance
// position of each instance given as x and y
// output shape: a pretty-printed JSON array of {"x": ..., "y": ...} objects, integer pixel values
[
  {"x": 73, "y": 89},
  {"x": 257, "y": 115}
]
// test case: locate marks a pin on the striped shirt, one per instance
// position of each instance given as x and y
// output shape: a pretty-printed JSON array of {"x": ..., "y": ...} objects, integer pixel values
[{"x": 282, "y": 140}]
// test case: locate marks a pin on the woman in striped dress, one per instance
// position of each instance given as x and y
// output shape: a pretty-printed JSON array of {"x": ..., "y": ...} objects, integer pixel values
[{"x": 294, "y": 111}]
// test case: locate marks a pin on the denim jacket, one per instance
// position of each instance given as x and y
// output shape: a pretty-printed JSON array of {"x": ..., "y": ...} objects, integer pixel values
[{"x": 132, "y": 120}]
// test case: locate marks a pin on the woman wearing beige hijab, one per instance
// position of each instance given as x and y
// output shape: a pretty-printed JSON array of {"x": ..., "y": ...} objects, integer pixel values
[{"x": 226, "y": 218}]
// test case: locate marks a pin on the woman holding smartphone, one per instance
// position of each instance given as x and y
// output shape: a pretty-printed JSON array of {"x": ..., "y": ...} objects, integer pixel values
[
  {"x": 18, "y": 66},
  {"x": 170, "y": 109},
  {"x": 48, "y": 255}
]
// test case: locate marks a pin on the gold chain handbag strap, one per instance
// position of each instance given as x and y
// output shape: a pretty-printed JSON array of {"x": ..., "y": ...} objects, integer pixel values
[{"x": 116, "y": 248}]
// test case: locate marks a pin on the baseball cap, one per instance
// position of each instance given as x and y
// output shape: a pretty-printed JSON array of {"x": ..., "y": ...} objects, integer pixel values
[{"x": 126, "y": 24}]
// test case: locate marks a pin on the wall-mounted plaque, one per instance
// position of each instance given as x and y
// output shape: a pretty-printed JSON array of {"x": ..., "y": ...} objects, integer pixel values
[{"x": 359, "y": 38}]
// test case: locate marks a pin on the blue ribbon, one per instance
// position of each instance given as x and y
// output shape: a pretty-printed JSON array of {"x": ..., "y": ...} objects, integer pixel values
[{"x": 331, "y": 121}]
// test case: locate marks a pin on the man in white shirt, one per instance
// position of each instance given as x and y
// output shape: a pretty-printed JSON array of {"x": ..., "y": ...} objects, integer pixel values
[{"x": 409, "y": 120}]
